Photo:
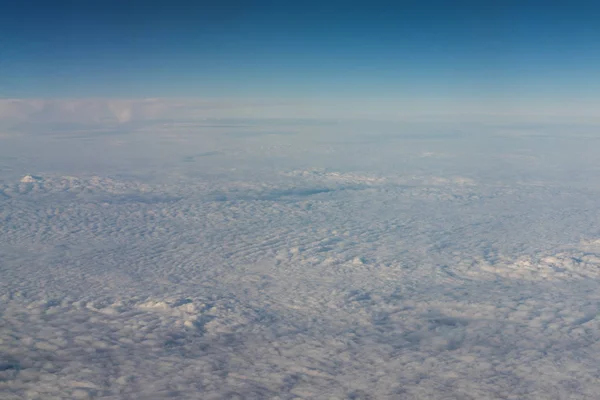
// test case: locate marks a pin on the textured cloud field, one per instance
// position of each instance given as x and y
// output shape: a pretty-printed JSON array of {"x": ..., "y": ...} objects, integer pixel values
[{"x": 297, "y": 259}]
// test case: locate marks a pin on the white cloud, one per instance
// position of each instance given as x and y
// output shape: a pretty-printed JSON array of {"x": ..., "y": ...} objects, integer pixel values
[
  {"x": 442, "y": 111},
  {"x": 190, "y": 262},
  {"x": 111, "y": 111}
]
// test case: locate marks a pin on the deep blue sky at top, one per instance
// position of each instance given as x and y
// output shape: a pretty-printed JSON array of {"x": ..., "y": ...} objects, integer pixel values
[{"x": 286, "y": 49}]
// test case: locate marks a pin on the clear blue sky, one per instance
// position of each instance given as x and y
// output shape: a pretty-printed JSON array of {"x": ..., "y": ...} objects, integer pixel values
[{"x": 86, "y": 48}]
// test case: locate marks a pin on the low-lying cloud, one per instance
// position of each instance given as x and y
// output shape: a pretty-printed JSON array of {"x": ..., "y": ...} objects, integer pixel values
[{"x": 196, "y": 264}]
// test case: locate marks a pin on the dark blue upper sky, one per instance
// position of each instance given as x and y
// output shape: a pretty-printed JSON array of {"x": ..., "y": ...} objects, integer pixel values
[{"x": 85, "y": 48}]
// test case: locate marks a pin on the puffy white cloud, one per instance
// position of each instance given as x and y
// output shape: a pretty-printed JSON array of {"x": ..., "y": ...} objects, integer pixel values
[{"x": 202, "y": 264}]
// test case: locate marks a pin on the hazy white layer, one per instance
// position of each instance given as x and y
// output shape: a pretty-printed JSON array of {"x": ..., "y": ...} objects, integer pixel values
[
  {"x": 290, "y": 259},
  {"x": 118, "y": 111}
]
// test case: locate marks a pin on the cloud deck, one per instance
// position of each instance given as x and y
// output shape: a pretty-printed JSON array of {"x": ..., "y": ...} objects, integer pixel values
[{"x": 253, "y": 271}]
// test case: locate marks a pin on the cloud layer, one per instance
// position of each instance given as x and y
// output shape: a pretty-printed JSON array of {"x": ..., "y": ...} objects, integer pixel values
[
  {"x": 320, "y": 264},
  {"x": 118, "y": 111}
]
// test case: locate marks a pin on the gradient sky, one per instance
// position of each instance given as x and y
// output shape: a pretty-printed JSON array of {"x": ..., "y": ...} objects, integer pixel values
[{"x": 286, "y": 49}]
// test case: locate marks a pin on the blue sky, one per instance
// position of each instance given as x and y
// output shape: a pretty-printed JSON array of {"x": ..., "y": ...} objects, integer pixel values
[{"x": 448, "y": 49}]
